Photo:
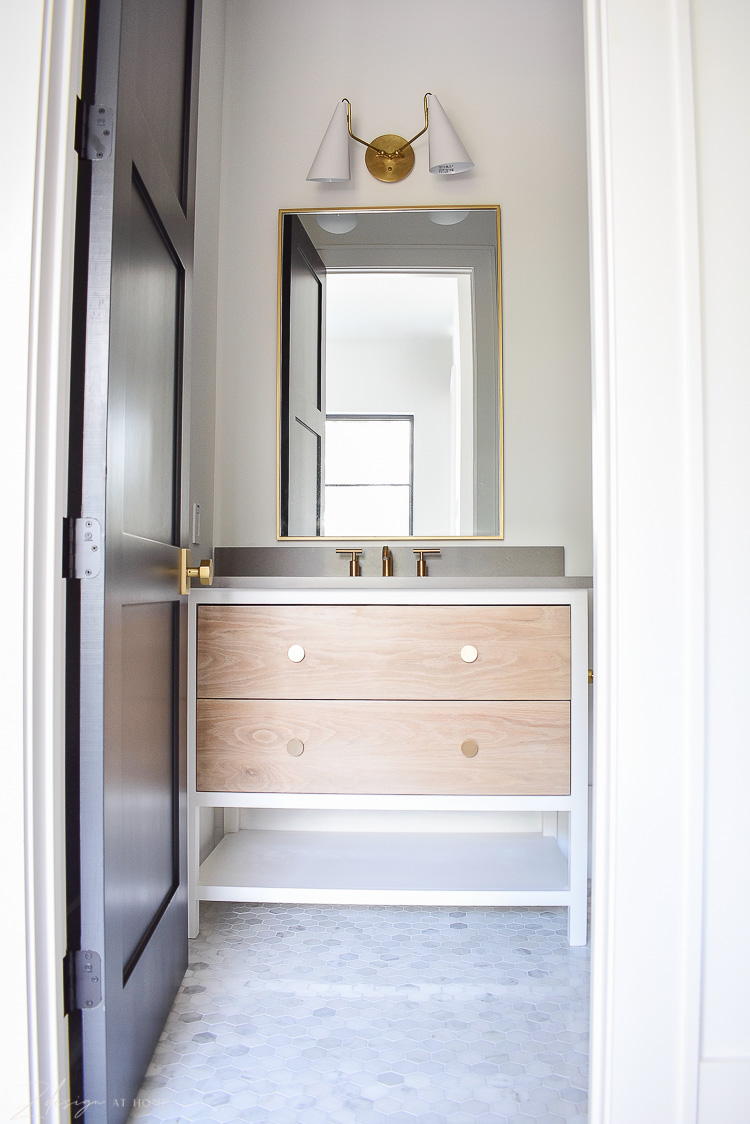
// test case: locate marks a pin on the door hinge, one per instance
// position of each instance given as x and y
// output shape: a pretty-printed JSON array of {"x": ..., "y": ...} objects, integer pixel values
[
  {"x": 93, "y": 132},
  {"x": 82, "y": 980},
  {"x": 82, "y": 548}
]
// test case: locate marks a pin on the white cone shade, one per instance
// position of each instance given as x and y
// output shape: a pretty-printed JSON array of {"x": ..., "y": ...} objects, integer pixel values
[
  {"x": 332, "y": 162},
  {"x": 447, "y": 154}
]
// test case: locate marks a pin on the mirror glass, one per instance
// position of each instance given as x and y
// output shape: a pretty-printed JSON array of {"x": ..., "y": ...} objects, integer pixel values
[{"x": 390, "y": 383}]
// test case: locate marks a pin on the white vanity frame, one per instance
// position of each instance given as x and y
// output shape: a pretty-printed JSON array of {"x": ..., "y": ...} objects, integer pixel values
[{"x": 549, "y": 868}]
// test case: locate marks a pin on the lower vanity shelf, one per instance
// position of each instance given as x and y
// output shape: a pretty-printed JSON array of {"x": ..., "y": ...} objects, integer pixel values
[{"x": 386, "y": 868}]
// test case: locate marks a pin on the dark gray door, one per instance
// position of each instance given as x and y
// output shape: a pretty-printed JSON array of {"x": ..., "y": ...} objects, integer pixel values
[
  {"x": 303, "y": 407},
  {"x": 126, "y": 768}
]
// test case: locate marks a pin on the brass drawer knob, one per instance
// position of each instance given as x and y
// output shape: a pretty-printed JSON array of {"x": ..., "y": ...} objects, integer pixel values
[
  {"x": 296, "y": 653},
  {"x": 469, "y": 748},
  {"x": 295, "y": 748},
  {"x": 469, "y": 653}
]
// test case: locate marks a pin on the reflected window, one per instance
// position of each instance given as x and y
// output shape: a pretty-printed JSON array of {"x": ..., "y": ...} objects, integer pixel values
[{"x": 369, "y": 475}]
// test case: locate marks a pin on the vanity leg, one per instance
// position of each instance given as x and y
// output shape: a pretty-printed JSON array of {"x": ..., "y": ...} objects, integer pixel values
[
  {"x": 577, "y": 923},
  {"x": 194, "y": 850},
  {"x": 578, "y": 874}
]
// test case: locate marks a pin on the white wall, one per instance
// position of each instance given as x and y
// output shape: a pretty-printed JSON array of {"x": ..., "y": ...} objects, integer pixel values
[
  {"x": 510, "y": 75},
  {"x": 204, "y": 303},
  {"x": 721, "y": 34},
  {"x": 206, "y": 272}
]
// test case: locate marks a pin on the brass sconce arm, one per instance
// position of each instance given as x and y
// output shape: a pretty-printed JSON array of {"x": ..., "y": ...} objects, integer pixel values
[
  {"x": 387, "y": 152},
  {"x": 426, "y": 122},
  {"x": 353, "y": 135}
]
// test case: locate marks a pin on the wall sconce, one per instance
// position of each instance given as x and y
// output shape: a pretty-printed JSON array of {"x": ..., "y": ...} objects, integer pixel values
[{"x": 389, "y": 158}]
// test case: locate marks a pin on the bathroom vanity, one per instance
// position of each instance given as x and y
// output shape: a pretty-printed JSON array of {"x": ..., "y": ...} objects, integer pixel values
[{"x": 392, "y": 741}]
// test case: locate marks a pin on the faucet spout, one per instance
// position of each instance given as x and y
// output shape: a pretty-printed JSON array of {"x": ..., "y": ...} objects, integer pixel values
[{"x": 387, "y": 563}]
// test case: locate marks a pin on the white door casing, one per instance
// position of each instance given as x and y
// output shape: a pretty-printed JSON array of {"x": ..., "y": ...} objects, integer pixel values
[
  {"x": 649, "y": 569},
  {"x": 39, "y": 75}
]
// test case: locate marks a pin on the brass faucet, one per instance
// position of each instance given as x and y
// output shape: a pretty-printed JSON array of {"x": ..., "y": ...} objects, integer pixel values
[
  {"x": 421, "y": 564},
  {"x": 354, "y": 570},
  {"x": 387, "y": 563}
]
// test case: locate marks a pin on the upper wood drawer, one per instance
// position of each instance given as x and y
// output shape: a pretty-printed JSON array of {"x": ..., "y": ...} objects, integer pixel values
[{"x": 384, "y": 651}]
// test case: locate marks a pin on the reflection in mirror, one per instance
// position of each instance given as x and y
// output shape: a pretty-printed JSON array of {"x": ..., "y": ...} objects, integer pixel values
[
  {"x": 369, "y": 475},
  {"x": 390, "y": 389}
]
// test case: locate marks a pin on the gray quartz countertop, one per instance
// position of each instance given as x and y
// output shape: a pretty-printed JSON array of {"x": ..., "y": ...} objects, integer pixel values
[
  {"x": 535, "y": 582},
  {"x": 453, "y": 562}
]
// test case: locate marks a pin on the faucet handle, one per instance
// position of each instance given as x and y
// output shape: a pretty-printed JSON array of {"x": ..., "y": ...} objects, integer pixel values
[
  {"x": 354, "y": 564},
  {"x": 421, "y": 564},
  {"x": 387, "y": 562}
]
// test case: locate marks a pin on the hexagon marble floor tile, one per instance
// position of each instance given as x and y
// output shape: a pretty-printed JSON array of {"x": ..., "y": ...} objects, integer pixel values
[{"x": 374, "y": 1015}]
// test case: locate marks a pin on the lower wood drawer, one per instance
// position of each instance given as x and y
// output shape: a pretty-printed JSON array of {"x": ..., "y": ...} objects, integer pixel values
[{"x": 400, "y": 748}]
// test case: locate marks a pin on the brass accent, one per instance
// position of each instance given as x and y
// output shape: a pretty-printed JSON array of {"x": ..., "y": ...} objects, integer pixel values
[
  {"x": 295, "y": 748},
  {"x": 469, "y": 748},
  {"x": 387, "y": 563},
  {"x": 296, "y": 653},
  {"x": 354, "y": 564},
  {"x": 389, "y": 158},
  {"x": 469, "y": 653},
  {"x": 591, "y": 676},
  {"x": 204, "y": 572},
  {"x": 421, "y": 564},
  {"x": 279, "y": 265}
]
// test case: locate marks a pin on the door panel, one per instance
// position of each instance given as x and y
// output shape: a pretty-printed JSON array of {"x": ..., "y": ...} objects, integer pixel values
[
  {"x": 127, "y": 640},
  {"x": 305, "y": 479},
  {"x": 152, "y": 379},
  {"x": 150, "y": 808},
  {"x": 303, "y": 405},
  {"x": 162, "y": 90}
]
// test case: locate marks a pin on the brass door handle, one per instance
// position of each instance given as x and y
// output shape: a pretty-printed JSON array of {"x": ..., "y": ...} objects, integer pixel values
[{"x": 204, "y": 572}]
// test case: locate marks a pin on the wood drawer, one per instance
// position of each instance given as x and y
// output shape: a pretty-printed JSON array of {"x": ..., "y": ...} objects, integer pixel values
[
  {"x": 384, "y": 747},
  {"x": 384, "y": 652}
]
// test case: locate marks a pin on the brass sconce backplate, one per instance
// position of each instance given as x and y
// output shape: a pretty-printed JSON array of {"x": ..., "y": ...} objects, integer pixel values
[{"x": 392, "y": 161}]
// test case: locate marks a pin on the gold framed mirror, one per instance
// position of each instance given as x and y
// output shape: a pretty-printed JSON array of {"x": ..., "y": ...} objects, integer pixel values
[{"x": 390, "y": 403}]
